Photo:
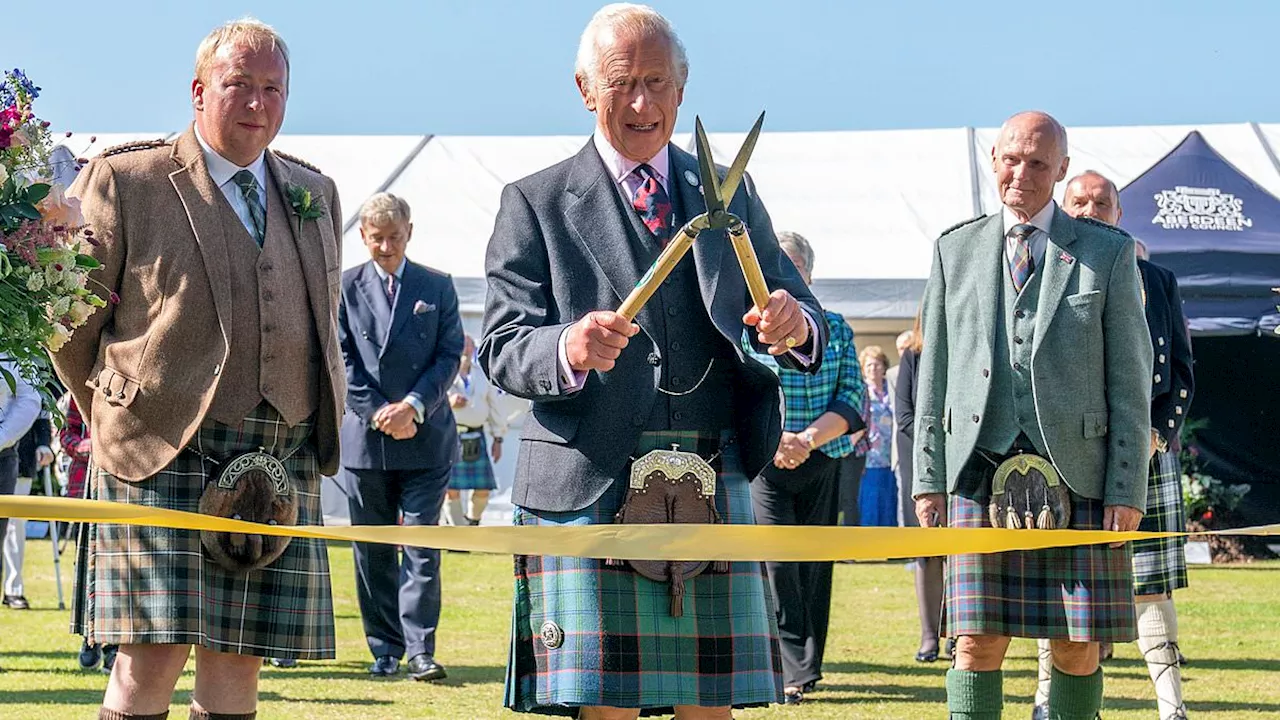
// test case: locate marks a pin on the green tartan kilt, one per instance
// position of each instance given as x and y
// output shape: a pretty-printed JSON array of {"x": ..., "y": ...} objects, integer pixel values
[
  {"x": 621, "y": 646},
  {"x": 1160, "y": 564},
  {"x": 147, "y": 585}
]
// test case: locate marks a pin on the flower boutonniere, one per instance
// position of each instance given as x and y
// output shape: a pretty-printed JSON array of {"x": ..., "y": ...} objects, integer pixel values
[{"x": 305, "y": 205}]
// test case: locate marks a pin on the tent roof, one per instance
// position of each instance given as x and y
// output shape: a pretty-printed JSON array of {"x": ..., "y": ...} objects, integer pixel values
[
  {"x": 1216, "y": 228},
  {"x": 870, "y": 202}
]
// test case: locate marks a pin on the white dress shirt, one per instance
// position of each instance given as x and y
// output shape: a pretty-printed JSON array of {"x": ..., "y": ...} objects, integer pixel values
[
  {"x": 222, "y": 170},
  {"x": 1039, "y": 239}
]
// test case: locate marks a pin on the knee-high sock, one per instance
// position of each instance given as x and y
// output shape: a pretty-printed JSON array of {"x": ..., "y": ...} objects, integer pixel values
[
  {"x": 457, "y": 517},
  {"x": 105, "y": 714},
  {"x": 476, "y": 505},
  {"x": 973, "y": 695},
  {"x": 197, "y": 714},
  {"x": 1158, "y": 641},
  {"x": 1075, "y": 697},
  {"x": 1045, "y": 673}
]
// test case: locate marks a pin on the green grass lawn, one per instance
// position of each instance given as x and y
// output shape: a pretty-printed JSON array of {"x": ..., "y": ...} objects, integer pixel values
[{"x": 1230, "y": 620}]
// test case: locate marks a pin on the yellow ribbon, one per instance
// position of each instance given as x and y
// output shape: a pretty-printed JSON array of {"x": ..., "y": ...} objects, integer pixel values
[{"x": 778, "y": 543}]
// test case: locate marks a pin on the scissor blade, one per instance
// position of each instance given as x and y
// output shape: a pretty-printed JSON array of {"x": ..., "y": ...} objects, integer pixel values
[
  {"x": 707, "y": 169},
  {"x": 739, "y": 166}
]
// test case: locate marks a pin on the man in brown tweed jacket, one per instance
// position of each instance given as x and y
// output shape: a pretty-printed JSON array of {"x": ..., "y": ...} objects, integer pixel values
[{"x": 226, "y": 262}]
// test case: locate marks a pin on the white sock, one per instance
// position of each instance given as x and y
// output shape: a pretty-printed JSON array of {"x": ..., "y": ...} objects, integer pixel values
[
  {"x": 457, "y": 518},
  {"x": 477, "y": 504},
  {"x": 1158, "y": 642},
  {"x": 1045, "y": 673}
]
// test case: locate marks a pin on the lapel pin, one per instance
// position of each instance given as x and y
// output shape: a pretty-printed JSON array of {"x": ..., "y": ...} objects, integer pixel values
[
  {"x": 1064, "y": 257},
  {"x": 691, "y": 177}
]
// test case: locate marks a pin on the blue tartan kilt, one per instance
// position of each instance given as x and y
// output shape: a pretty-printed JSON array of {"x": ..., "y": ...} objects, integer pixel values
[
  {"x": 621, "y": 646},
  {"x": 476, "y": 474},
  {"x": 1160, "y": 564},
  {"x": 1083, "y": 594}
]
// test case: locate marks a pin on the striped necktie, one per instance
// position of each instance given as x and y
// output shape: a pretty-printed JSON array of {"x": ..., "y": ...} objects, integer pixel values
[
  {"x": 1021, "y": 264},
  {"x": 248, "y": 185}
]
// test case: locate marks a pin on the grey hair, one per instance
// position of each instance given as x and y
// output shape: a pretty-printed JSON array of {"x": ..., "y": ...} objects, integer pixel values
[
  {"x": 795, "y": 243},
  {"x": 619, "y": 18},
  {"x": 384, "y": 207},
  {"x": 248, "y": 32},
  {"x": 1059, "y": 132}
]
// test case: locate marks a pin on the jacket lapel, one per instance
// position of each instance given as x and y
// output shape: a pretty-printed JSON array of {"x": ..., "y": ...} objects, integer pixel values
[
  {"x": 410, "y": 283},
  {"x": 306, "y": 238},
  {"x": 599, "y": 223},
  {"x": 1058, "y": 266},
  {"x": 200, "y": 198},
  {"x": 711, "y": 249},
  {"x": 375, "y": 299},
  {"x": 988, "y": 267}
]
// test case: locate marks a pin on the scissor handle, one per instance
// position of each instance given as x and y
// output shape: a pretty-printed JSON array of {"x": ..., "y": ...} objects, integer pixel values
[
  {"x": 662, "y": 267},
  {"x": 750, "y": 264}
]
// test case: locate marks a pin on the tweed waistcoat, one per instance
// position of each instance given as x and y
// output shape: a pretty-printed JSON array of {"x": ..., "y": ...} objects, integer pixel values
[
  {"x": 1011, "y": 406},
  {"x": 274, "y": 353}
]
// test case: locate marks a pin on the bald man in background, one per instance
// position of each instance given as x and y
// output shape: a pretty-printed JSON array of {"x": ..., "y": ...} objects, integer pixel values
[{"x": 1159, "y": 565}]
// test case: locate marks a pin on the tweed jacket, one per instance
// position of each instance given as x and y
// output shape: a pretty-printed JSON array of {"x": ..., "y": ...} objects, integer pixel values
[
  {"x": 1091, "y": 357},
  {"x": 144, "y": 371}
]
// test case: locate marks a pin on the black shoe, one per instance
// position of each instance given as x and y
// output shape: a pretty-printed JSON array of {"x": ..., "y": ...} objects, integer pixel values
[
  {"x": 109, "y": 657},
  {"x": 927, "y": 656},
  {"x": 90, "y": 656},
  {"x": 423, "y": 669},
  {"x": 792, "y": 697},
  {"x": 385, "y": 666},
  {"x": 282, "y": 663},
  {"x": 473, "y": 523},
  {"x": 16, "y": 602},
  {"x": 809, "y": 686}
]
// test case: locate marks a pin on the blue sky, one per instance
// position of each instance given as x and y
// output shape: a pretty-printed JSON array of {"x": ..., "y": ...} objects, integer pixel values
[{"x": 502, "y": 67}]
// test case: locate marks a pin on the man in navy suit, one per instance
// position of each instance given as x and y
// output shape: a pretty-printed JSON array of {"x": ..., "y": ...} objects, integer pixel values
[{"x": 402, "y": 340}]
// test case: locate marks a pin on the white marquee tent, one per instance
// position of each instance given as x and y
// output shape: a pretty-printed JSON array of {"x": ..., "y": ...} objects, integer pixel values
[{"x": 870, "y": 202}]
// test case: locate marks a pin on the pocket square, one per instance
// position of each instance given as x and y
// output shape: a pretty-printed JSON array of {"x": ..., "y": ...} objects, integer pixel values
[{"x": 422, "y": 308}]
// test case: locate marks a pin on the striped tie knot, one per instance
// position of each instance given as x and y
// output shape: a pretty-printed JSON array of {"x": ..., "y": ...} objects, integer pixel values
[{"x": 1021, "y": 264}]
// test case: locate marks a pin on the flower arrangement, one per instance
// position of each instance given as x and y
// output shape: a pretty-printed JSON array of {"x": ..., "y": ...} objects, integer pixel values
[
  {"x": 1204, "y": 496},
  {"x": 44, "y": 278}
]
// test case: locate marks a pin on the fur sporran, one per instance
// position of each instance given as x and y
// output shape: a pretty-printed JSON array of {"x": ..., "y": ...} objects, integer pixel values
[
  {"x": 669, "y": 486},
  {"x": 254, "y": 487}
]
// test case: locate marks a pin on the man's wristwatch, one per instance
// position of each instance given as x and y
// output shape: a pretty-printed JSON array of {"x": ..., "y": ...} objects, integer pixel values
[{"x": 809, "y": 438}]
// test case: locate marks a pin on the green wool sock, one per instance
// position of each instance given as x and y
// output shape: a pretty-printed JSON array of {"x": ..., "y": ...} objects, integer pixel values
[
  {"x": 1075, "y": 697},
  {"x": 975, "y": 695}
]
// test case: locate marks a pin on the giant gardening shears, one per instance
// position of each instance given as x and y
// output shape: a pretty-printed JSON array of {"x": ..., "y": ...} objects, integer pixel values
[{"x": 717, "y": 195}]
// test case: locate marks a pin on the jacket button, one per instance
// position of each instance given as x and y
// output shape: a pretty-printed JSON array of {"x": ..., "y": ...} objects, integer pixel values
[
  {"x": 928, "y": 428},
  {"x": 1157, "y": 377},
  {"x": 928, "y": 450},
  {"x": 672, "y": 311},
  {"x": 1121, "y": 443},
  {"x": 422, "y": 335},
  {"x": 1017, "y": 366},
  {"x": 976, "y": 418},
  {"x": 678, "y": 415},
  {"x": 654, "y": 359},
  {"x": 1124, "y": 464},
  {"x": 986, "y": 372},
  {"x": 1017, "y": 339},
  {"x": 1019, "y": 314}
]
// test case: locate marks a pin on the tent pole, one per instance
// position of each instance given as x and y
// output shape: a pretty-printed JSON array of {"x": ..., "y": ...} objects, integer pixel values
[
  {"x": 395, "y": 175},
  {"x": 975, "y": 185},
  {"x": 1266, "y": 146}
]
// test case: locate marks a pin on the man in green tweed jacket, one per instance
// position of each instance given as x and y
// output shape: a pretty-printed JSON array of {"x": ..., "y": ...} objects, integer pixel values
[{"x": 1035, "y": 341}]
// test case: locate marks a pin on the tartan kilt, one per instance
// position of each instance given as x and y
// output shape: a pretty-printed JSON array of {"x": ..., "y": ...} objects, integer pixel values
[
  {"x": 476, "y": 474},
  {"x": 147, "y": 585},
  {"x": 621, "y": 647},
  {"x": 1082, "y": 594},
  {"x": 1160, "y": 564}
]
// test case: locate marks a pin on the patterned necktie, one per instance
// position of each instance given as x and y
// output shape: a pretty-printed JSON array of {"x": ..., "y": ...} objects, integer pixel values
[
  {"x": 257, "y": 214},
  {"x": 1021, "y": 264},
  {"x": 391, "y": 290},
  {"x": 651, "y": 201}
]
